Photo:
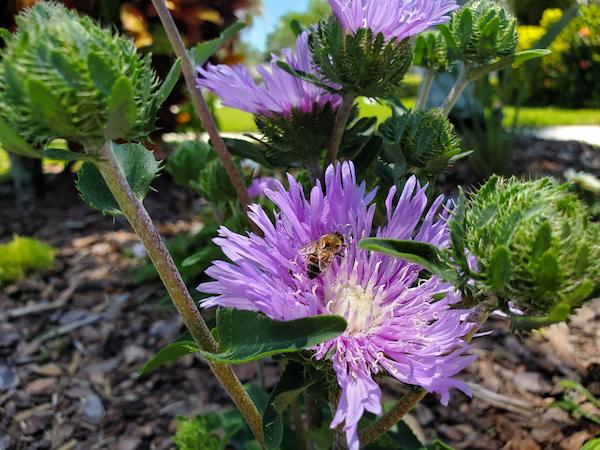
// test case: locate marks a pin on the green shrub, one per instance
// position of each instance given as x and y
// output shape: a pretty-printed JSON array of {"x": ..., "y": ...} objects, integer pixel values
[
  {"x": 570, "y": 75},
  {"x": 23, "y": 255},
  {"x": 531, "y": 11}
]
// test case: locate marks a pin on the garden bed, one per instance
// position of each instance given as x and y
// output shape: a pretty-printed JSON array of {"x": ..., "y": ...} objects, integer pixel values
[{"x": 72, "y": 340}]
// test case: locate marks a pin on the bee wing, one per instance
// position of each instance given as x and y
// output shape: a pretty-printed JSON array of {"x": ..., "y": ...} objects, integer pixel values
[
  {"x": 325, "y": 261},
  {"x": 308, "y": 249}
]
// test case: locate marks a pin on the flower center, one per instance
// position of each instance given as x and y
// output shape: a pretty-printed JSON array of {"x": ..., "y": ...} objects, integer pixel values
[{"x": 354, "y": 304}]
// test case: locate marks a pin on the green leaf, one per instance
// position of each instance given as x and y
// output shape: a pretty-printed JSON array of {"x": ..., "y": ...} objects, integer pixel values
[
  {"x": 594, "y": 444},
  {"x": 247, "y": 150},
  {"x": 246, "y": 336},
  {"x": 139, "y": 166},
  {"x": 103, "y": 75},
  {"x": 548, "y": 275},
  {"x": 5, "y": 34},
  {"x": 12, "y": 142},
  {"x": 307, "y": 77},
  {"x": 204, "y": 256},
  {"x": 514, "y": 60},
  {"x": 203, "y": 51},
  {"x": 170, "y": 353},
  {"x": 288, "y": 388},
  {"x": 61, "y": 154},
  {"x": 543, "y": 240},
  {"x": 48, "y": 107},
  {"x": 426, "y": 255},
  {"x": 167, "y": 85},
  {"x": 499, "y": 270},
  {"x": 122, "y": 110}
]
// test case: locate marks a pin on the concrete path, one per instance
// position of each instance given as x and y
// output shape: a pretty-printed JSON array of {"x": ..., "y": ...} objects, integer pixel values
[{"x": 589, "y": 134}]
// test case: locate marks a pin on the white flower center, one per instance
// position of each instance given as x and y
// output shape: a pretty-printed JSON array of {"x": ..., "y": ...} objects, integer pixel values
[{"x": 354, "y": 304}]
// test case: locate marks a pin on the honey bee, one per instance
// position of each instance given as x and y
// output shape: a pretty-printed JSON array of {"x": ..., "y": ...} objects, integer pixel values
[{"x": 320, "y": 254}]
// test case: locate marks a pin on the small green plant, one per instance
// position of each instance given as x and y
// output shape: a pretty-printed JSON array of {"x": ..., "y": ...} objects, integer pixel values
[
  {"x": 23, "y": 255},
  {"x": 574, "y": 397},
  {"x": 194, "y": 434}
]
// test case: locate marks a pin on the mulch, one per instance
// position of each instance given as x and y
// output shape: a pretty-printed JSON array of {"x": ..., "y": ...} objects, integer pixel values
[{"x": 72, "y": 341}]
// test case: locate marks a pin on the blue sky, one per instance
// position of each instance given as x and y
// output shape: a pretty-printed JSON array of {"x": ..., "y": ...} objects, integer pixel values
[{"x": 272, "y": 11}]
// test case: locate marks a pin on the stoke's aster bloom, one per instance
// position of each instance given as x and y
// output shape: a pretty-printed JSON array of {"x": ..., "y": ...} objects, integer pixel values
[
  {"x": 394, "y": 324},
  {"x": 399, "y": 19},
  {"x": 279, "y": 93}
]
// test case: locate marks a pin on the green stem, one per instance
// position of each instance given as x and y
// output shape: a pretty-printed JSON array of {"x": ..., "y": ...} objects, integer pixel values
[
  {"x": 411, "y": 399},
  {"x": 142, "y": 224},
  {"x": 384, "y": 423},
  {"x": 337, "y": 134},
  {"x": 201, "y": 107},
  {"x": 425, "y": 90},
  {"x": 464, "y": 78},
  {"x": 299, "y": 426},
  {"x": 339, "y": 436}
]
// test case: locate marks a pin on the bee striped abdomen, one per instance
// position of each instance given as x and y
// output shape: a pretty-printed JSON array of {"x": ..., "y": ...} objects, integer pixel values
[{"x": 313, "y": 266}]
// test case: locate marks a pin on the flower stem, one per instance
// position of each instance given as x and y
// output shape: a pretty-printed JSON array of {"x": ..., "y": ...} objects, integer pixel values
[
  {"x": 425, "y": 90},
  {"x": 200, "y": 105},
  {"x": 142, "y": 224},
  {"x": 339, "y": 437},
  {"x": 299, "y": 426},
  {"x": 414, "y": 396},
  {"x": 341, "y": 120},
  {"x": 464, "y": 78}
]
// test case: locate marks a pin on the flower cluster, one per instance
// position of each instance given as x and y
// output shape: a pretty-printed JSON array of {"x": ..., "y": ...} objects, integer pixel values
[
  {"x": 396, "y": 323},
  {"x": 396, "y": 19},
  {"x": 280, "y": 93}
]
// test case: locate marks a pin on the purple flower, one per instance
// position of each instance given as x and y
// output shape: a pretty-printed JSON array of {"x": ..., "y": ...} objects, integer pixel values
[
  {"x": 260, "y": 185},
  {"x": 394, "y": 324},
  {"x": 399, "y": 19},
  {"x": 278, "y": 94}
]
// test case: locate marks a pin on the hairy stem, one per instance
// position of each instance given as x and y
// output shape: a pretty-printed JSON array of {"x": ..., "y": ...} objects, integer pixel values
[
  {"x": 425, "y": 90},
  {"x": 464, "y": 78},
  {"x": 200, "y": 105},
  {"x": 299, "y": 426},
  {"x": 341, "y": 120},
  {"x": 339, "y": 436},
  {"x": 142, "y": 224},
  {"x": 388, "y": 420},
  {"x": 414, "y": 396}
]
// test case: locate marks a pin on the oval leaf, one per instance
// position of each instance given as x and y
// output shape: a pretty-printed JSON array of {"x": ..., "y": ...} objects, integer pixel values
[
  {"x": 169, "y": 354},
  {"x": 499, "y": 270},
  {"x": 139, "y": 166},
  {"x": 425, "y": 255},
  {"x": 246, "y": 336}
]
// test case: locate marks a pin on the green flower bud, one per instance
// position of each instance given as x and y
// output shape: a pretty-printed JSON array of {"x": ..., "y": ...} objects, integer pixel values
[
  {"x": 296, "y": 140},
  {"x": 481, "y": 31},
  {"x": 426, "y": 142},
  {"x": 362, "y": 63},
  {"x": 431, "y": 52},
  {"x": 213, "y": 183},
  {"x": 533, "y": 243},
  {"x": 63, "y": 76}
]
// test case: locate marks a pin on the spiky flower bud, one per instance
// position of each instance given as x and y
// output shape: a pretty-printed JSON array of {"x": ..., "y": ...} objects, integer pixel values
[
  {"x": 361, "y": 62},
  {"x": 431, "y": 52},
  {"x": 533, "y": 244},
  {"x": 424, "y": 141},
  {"x": 481, "y": 31},
  {"x": 63, "y": 76},
  {"x": 213, "y": 183}
]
